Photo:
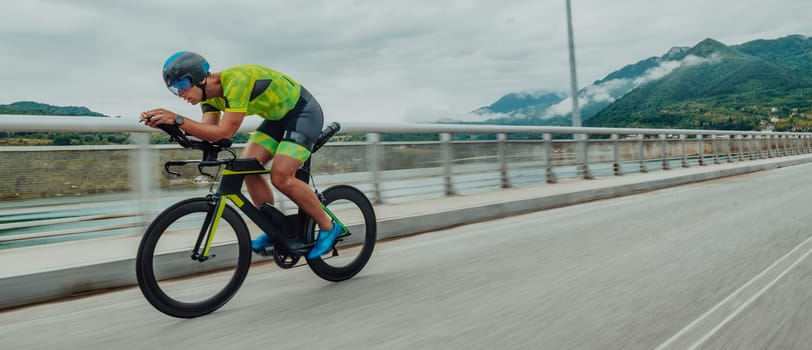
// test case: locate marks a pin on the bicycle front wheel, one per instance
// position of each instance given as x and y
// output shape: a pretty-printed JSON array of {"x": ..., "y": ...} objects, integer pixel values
[
  {"x": 171, "y": 275},
  {"x": 354, "y": 210}
]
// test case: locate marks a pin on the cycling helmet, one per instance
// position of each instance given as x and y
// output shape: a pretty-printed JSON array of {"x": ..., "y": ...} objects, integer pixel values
[{"x": 184, "y": 69}]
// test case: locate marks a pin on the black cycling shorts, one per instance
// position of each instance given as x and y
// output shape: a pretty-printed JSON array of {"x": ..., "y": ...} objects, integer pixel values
[{"x": 295, "y": 134}]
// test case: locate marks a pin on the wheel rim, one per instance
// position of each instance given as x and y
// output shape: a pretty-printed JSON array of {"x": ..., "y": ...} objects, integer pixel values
[
  {"x": 187, "y": 280},
  {"x": 355, "y": 211}
]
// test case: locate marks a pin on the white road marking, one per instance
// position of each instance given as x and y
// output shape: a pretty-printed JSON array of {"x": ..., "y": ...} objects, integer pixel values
[
  {"x": 738, "y": 291},
  {"x": 747, "y": 303}
]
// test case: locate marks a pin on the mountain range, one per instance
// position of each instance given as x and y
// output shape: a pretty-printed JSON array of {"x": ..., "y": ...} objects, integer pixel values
[{"x": 762, "y": 84}]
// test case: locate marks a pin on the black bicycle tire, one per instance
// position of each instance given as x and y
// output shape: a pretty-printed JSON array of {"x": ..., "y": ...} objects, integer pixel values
[
  {"x": 144, "y": 261},
  {"x": 337, "y": 274}
]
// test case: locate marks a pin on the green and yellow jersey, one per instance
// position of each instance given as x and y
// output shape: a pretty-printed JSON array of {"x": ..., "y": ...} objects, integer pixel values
[{"x": 255, "y": 90}]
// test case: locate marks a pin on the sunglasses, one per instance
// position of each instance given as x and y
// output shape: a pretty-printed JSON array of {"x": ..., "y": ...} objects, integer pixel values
[{"x": 180, "y": 85}]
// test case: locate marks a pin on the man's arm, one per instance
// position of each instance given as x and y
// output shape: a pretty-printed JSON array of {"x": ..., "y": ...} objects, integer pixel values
[
  {"x": 211, "y": 118},
  {"x": 228, "y": 125},
  {"x": 207, "y": 129}
]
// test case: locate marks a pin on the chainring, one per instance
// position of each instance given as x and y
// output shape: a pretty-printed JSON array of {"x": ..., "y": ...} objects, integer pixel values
[{"x": 285, "y": 260}]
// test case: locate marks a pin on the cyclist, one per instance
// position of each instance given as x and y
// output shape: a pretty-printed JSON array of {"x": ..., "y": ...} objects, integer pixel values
[{"x": 293, "y": 122}]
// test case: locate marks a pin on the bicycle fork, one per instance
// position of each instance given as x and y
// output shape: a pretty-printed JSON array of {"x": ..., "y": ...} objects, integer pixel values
[{"x": 207, "y": 231}]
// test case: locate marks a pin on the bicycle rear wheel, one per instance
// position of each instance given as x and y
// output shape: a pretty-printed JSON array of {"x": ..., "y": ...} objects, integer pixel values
[
  {"x": 172, "y": 280},
  {"x": 354, "y": 210}
]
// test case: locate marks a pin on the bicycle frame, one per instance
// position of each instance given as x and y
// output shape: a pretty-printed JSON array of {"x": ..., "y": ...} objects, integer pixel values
[{"x": 230, "y": 187}]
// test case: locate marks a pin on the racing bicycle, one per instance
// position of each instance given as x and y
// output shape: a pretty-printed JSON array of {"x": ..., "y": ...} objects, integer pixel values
[{"x": 195, "y": 255}]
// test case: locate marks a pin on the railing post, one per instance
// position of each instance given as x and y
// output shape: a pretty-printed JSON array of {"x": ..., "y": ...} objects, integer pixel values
[
  {"x": 754, "y": 144},
  {"x": 769, "y": 145},
  {"x": 779, "y": 148},
  {"x": 782, "y": 141},
  {"x": 502, "y": 153},
  {"x": 806, "y": 143},
  {"x": 740, "y": 147},
  {"x": 798, "y": 144},
  {"x": 445, "y": 138},
  {"x": 792, "y": 144},
  {"x": 583, "y": 141},
  {"x": 729, "y": 148},
  {"x": 616, "y": 145},
  {"x": 777, "y": 144},
  {"x": 643, "y": 168},
  {"x": 801, "y": 144},
  {"x": 142, "y": 165},
  {"x": 685, "y": 164},
  {"x": 548, "y": 156},
  {"x": 764, "y": 139},
  {"x": 373, "y": 154},
  {"x": 701, "y": 148},
  {"x": 715, "y": 150},
  {"x": 791, "y": 140},
  {"x": 664, "y": 142}
]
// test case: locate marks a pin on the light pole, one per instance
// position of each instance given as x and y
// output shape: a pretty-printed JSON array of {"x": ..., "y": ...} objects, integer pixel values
[
  {"x": 576, "y": 112},
  {"x": 581, "y": 155}
]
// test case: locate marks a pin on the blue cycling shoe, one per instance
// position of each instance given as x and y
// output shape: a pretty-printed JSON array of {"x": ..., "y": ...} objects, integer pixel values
[
  {"x": 262, "y": 243},
  {"x": 324, "y": 242}
]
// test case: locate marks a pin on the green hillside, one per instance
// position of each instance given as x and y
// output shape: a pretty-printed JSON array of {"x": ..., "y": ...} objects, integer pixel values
[
  {"x": 793, "y": 52},
  {"x": 724, "y": 89},
  {"x": 35, "y": 109}
]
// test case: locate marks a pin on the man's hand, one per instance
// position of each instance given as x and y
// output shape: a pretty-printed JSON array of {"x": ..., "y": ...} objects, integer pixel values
[{"x": 153, "y": 117}]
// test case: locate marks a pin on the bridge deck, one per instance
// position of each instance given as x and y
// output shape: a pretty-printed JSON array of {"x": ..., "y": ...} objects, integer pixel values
[{"x": 47, "y": 272}]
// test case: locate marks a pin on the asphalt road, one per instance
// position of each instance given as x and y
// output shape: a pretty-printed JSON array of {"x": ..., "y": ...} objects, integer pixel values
[{"x": 717, "y": 265}]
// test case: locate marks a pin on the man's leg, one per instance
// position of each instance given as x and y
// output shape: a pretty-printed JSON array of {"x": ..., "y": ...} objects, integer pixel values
[
  {"x": 283, "y": 171},
  {"x": 258, "y": 188},
  {"x": 302, "y": 127}
]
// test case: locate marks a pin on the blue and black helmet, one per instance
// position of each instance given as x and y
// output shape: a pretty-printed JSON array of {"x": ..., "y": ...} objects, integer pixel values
[{"x": 184, "y": 69}]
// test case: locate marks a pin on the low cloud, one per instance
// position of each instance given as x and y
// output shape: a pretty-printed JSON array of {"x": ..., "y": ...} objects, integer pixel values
[
  {"x": 607, "y": 92},
  {"x": 595, "y": 95}
]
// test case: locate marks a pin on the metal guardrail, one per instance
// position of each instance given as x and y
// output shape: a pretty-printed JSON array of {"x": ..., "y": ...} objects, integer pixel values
[{"x": 398, "y": 171}]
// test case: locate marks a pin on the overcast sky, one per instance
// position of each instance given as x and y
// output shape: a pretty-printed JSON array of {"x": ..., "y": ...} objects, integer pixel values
[{"x": 407, "y": 60}]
